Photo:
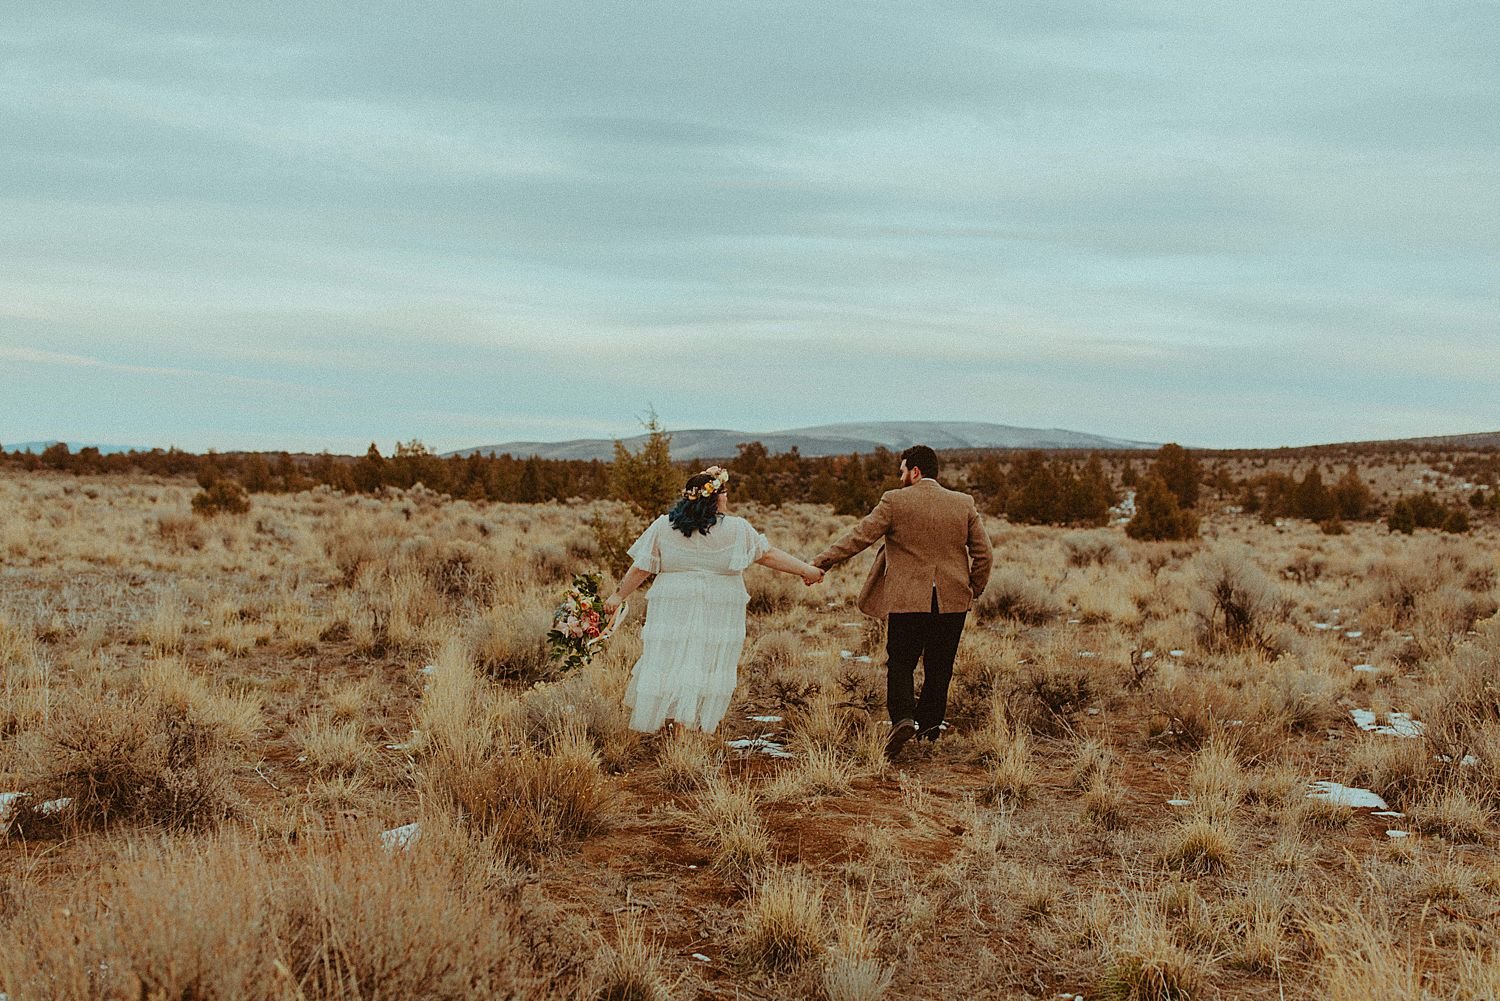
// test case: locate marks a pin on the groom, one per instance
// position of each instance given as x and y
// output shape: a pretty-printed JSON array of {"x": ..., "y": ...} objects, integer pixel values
[{"x": 934, "y": 563}]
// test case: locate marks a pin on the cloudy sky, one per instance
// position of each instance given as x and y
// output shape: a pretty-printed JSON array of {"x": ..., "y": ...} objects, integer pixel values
[{"x": 310, "y": 226}]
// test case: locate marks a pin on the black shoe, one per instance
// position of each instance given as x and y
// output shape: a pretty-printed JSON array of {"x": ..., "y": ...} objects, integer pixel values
[{"x": 903, "y": 731}]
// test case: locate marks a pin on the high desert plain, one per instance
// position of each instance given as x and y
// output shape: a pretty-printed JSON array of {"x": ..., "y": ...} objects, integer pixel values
[{"x": 316, "y": 750}]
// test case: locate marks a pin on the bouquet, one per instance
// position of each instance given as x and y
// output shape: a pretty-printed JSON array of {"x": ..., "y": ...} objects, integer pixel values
[{"x": 579, "y": 624}]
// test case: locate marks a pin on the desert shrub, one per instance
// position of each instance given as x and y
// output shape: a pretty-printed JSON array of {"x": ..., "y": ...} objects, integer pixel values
[
  {"x": 1015, "y": 594},
  {"x": 631, "y": 968},
  {"x": 724, "y": 819},
  {"x": 356, "y": 545},
  {"x": 131, "y": 757},
  {"x": 1360, "y": 955},
  {"x": 1191, "y": 710},
  {"x": 1006, "y": 753},
  {"x": 852, "y": 970},
  {"x": 1104, "y": 804},
  {"x": 528, "y": 798},
  {"x": 179, "y": 532},
  {"x": 785, "y": 923},
  {"x": 333, "y": 748},
  {"x": 1238, "y": 603},
  {"x": 688, "y": 762},
  {"x": 576, "y": 703},
  {"x": 222, "y": 496},
  {"x": 1100, "y": 547},
  {"x": 777, "y": 649},
  {"x": 1455, "y": 813},
  {"x": 613, "y": 532},
  {"x": 510, "y": 640},
  {"x": 359, "y": 921},
  {"x": 772, "y": 592},
  {"x": 1144, "y": 962},
  {"x": 1397, "y": 769},
  {"x": 460, "y": 572},
  {"x": 25, "y": 689},
  {"x": 1200, "y": 846},
  {"x": 1438, "y": 581},
  {"x": 1046, "y": 698}
]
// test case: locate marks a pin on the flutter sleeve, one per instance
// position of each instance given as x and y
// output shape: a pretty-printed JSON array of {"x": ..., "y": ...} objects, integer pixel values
[
  {"x": 645, "y": 553},
  {"x": 749, "y": 547}
]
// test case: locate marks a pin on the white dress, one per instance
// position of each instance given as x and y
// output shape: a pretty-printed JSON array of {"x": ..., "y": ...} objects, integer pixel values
[{"x": 695, "y": 622}]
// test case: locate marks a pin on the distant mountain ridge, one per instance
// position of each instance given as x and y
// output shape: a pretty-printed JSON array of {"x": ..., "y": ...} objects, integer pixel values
[
  {"x": 39, "y": 447},
  {"x": 825, "y": 439},
  {"x": 1481, "y": 439}
]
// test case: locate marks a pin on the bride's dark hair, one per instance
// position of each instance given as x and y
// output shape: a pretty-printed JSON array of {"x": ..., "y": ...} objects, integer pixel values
[{"x": 692, "y": 513}]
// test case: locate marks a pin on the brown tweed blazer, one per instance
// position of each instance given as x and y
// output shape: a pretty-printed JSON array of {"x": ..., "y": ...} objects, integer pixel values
[{"x": 933, "y": 537}]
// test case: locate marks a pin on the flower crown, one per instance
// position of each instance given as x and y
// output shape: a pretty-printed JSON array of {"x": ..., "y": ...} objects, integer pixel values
[{"x": 719, "y": 482}]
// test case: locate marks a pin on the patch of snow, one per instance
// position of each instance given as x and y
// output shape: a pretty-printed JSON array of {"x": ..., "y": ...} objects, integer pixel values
[
  {"x": 1354, "y": 634},
  {"x": 55, "y": 806},
  {"x": 1148, "y": 654},
  {"x": 701, "y": 958},
  {"x": 1074, "y": 622},
  {"x": 1387, "y": 813},
  {"x": 1366, "y": 669},
  {"x": 429, "y": 669},
  {"x": 764, "y": 719},
  {"x": 1322, "y": 625},
  {"x": 1179, "y": 802},
  {"x": 1359, "y": 799},
  {"x": 1092, "y": 711},
  {"x": 1467, "y": 761},
  {"x": 1397, "y": 834},
  {"x": 400, "y": 838},
  {"x": 8, "y": 802},
  {"x": 761, "y": 744},
  {"x": 1085, "y": 653},
  {"x": 1175, "y": 653},
  {"x": 1401, "y": 724}
]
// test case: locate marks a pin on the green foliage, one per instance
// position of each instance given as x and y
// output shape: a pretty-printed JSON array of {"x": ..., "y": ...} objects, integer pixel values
[
  {"x": 646, "y": 480},
  {"x": 577, "y": 623},
  {"x": 1158, "y": 516},
  {"x": 1427, "y": 511},
  {"x": 1179, "y": 471},
  {"x": 369, "y": 472},
  {"x": 613, "y": 534},
  {"x": 1054, "y": 493},
  {"x": 1401, "y": 518},
  {"x": 1351, "y": 497},
  {"x": 1311, "y": 500},
  {"x": 855, "y": 493},
  {"x": 1457, "y": 522}
]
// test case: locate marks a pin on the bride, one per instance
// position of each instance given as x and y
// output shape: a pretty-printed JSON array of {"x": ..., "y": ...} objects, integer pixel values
[{"x": 695, "y": 620}]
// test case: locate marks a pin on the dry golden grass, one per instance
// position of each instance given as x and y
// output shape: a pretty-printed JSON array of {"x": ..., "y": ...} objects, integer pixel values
[
  {"x": 785, "y": 922},
  {"x": 165, "y": 674}
]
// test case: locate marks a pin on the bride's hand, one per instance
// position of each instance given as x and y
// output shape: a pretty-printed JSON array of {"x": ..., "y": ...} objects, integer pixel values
[
  {"x": 611, "y": 605},
  {"x": 815, "y": 577}
]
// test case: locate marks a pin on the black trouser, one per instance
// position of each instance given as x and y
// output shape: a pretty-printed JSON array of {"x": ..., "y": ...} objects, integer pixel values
[{"x": 931, "y": 637}]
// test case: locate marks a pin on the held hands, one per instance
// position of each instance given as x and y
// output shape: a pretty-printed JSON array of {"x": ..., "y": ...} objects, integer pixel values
[{"x": 812, "y": 575}]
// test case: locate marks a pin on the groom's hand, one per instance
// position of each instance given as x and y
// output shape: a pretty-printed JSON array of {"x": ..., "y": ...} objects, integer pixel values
[{"x": 815, "y": 577}]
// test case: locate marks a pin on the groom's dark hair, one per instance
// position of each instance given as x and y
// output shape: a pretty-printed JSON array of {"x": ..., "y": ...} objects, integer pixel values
[{"x": 923, "y": 458}]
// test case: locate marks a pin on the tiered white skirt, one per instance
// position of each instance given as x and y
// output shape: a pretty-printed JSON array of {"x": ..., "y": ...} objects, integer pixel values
[{"x": 691, "y": 643}]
